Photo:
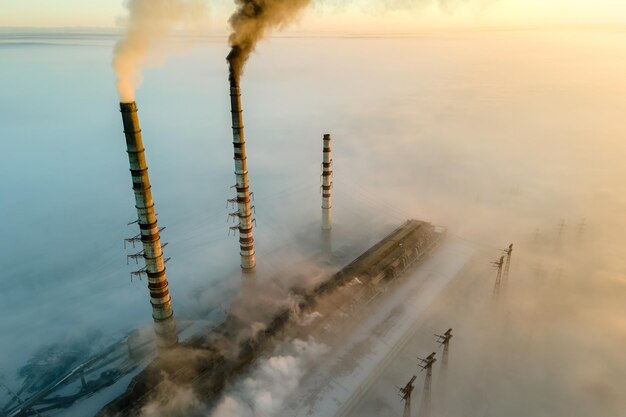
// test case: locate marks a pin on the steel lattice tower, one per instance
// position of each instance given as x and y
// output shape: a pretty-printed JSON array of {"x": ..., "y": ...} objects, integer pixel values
[
  {"x": 498, "y": 265},
  {"x": 427, "y": 364},
  {"x": 507, "y": 265},
  {"x": 405, "y": 394},
  {"x": 444, "y": 340}
]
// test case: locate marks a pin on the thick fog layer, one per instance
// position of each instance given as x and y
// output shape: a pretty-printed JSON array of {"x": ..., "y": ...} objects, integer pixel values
[{"x": 497, "y": 135}]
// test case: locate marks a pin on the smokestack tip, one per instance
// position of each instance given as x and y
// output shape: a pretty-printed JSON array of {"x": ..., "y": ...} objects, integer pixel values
[
  {"x": 326, "y": 136},
  {"x": 128, "y": 107}
]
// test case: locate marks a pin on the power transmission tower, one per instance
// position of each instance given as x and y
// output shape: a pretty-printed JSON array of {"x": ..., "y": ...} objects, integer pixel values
[
  {"x": 427, "y": 364},
  {"x": 507, "y": 266},
  {"x": 444, "y": 341},
  {"x": 405, "y": 394},
  {"x": 498, "y": 266}
]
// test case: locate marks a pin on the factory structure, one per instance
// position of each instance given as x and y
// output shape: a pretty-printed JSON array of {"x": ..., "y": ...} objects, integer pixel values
[
  {"x": 201, "y": 361},
  {"x": 226, "y": 356},
  {"x": 209, "y": 362},
  {"x": 377, "y": 268}
]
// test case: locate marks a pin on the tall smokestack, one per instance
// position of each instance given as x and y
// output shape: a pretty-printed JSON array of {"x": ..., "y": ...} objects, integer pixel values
[
  {"x": 246, "y": 241},
  {"x": 326, "y": 185},
  {"x": 162, "y": 313}
]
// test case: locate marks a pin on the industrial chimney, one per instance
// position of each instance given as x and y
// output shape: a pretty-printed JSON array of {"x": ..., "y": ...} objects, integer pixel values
[
  {"x": 152, "y": 251},
  {"x": 326, "y": 185},
  {"x": 244, "y": 212}
]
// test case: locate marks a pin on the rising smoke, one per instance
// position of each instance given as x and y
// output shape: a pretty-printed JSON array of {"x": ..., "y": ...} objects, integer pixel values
[
  {"x": 148, "y": 23},
  {"x": 254, "y": 19},
  {"x": 269, "y": 386},
  {"x": 251, "y": 21}
]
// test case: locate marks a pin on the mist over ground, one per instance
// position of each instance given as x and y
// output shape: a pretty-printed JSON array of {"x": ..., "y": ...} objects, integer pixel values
[{"x": 497, "y": 135}]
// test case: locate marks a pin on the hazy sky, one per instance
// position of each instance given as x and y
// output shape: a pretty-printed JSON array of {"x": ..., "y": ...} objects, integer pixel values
[{"x": 106, "y": 13}]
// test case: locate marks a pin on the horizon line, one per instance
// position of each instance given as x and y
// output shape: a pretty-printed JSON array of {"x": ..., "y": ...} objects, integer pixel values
[{"x": 324, "y": 33}]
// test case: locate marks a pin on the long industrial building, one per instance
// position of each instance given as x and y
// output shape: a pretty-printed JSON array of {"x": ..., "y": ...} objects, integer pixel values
[{"x": 202, "y": 364}]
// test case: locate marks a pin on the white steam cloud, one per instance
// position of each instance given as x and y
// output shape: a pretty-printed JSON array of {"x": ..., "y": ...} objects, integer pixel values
[
  {"x": 268, "y": 387},
  {"x": 174, "y": 401},
  {"x": 148, "y": 23}
]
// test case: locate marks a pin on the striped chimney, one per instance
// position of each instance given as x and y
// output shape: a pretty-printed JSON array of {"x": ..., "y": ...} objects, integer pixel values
[
  {"x": 162, "y": 313},
  {"x": 246, "y": 241},
  {"x": 327, "y": 184}
]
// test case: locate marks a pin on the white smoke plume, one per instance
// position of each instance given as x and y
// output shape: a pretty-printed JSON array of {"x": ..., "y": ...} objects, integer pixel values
[
  {"x": 174, "y": 401},
  {"x": 148, "y": 23},
  {"x": 268, "y": 387}
]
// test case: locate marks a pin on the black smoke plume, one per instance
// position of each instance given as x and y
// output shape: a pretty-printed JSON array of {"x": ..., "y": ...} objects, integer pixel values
[{"x": 252, "y": 20}]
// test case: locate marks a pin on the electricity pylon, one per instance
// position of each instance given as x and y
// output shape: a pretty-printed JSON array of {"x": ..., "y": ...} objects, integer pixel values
[
  {"x": 427, "y": 364},
  {"x": 405, "y": 394},
  {"x": 444, "y": 341},
  {"x": 507, "y": 266},
  {"x": 498, "y": 266}
]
